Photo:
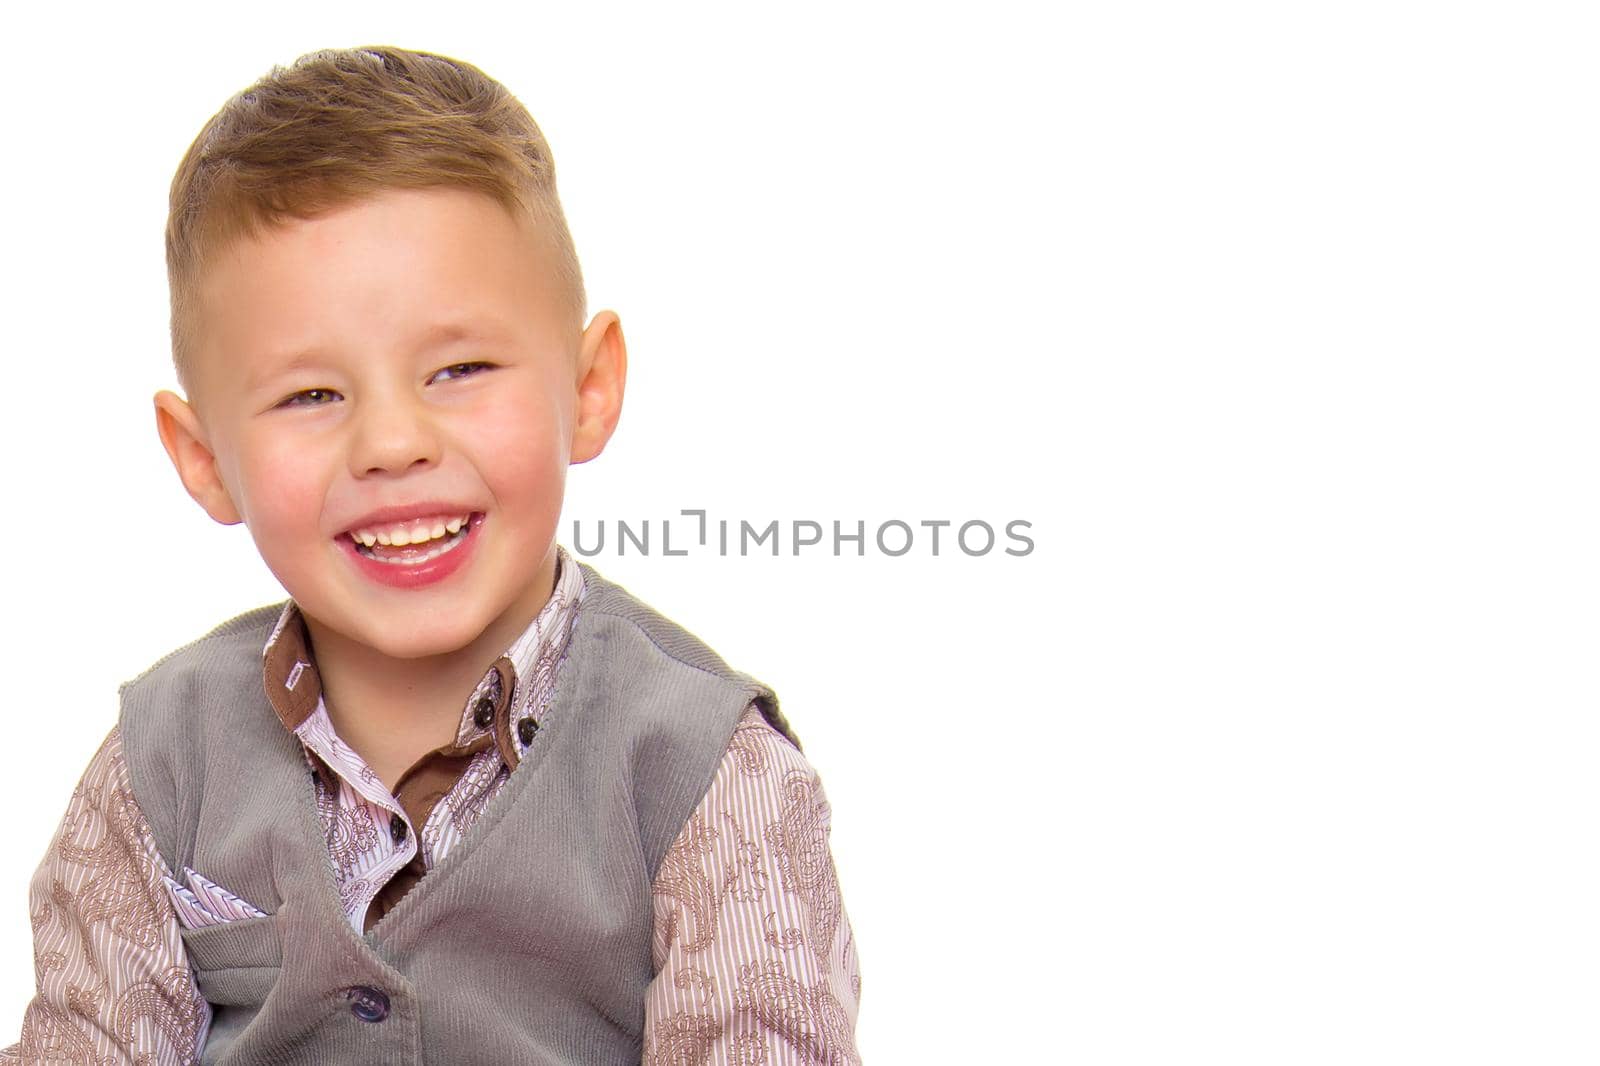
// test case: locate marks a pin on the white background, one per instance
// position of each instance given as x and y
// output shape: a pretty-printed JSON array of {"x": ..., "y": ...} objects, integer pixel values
[{"x": 1277, "y": 321}]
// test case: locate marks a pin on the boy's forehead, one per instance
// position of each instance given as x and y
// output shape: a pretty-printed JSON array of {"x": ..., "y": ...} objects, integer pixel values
[
  {"x": 394, "y": 210},
  {"x": 467, "y": 218}
]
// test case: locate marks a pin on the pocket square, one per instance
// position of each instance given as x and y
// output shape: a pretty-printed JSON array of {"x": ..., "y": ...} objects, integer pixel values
[{"x": 205, "y": 902}]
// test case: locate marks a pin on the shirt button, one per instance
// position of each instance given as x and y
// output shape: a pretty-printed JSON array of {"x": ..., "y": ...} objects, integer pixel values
[
  {"x": 368, "y": 1003},
  {"x": 483, "y": 713},
  {"x": 398, "y": 828},
  {"x": 525, "y": 731}
]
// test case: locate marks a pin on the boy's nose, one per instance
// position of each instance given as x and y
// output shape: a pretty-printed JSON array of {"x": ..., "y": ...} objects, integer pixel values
[{"x": 392, "y": 437}]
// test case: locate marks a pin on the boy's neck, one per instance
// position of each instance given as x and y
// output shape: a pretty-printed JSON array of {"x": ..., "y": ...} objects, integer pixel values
[{"x": 394, "y": 711}]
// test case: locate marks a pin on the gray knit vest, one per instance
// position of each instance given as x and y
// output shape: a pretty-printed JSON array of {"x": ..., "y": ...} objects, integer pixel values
[{"x": 530, "y": 941}]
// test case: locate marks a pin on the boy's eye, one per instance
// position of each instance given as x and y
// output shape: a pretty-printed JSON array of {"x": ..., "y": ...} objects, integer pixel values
[
  {"x": 312, "y": 398},
  {"x": 461, "y": 370}
]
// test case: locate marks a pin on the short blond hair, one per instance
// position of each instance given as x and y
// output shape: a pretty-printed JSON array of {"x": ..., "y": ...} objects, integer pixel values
[{"x": 338, "y": 124}]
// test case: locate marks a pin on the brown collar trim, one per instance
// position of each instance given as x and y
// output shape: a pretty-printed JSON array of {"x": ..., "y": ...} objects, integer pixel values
[
  {"x": 289, "y": 674},
  {"x": 503, "y": 739}
]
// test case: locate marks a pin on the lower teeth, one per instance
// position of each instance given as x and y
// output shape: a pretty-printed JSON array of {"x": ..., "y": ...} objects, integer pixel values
[{"x": 416, "y": 560}]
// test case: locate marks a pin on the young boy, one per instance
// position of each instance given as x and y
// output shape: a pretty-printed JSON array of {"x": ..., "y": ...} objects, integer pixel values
[{"x": 459, "y": 799}]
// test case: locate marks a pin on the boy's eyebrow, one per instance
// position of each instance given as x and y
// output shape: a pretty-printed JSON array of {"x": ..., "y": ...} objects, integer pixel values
[
  {"x": 270, "y": 368},
  {"x": 264, "y": 370},
  {"x": 464, "y": 329}
]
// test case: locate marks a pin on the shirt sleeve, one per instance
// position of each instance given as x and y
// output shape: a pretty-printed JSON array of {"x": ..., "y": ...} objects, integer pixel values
[
  {"x": 755, "y": 960},
  {"x": 113, "y": 983}
]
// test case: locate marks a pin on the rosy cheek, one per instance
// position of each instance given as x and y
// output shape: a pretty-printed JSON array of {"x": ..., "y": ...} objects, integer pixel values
[
  {"x": 285, "y": 485},
  {"x": 526, "y": 450}
]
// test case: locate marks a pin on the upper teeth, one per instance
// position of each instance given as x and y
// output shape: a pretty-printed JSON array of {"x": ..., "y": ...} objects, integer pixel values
[{"x": 417, "y": 531}]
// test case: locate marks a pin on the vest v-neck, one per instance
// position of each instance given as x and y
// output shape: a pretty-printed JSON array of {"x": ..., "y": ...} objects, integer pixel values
[{"x": 567, "y": 680}]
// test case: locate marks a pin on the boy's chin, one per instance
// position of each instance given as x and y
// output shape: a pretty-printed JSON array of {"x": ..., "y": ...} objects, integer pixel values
[
  {"x": 420, "y": 647},
  {"x": 419, "y": 643},
  {"x": 402, "y": 638}
]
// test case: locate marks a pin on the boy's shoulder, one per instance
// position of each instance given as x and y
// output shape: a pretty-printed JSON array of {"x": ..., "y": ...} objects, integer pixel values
[
  {"x": 236, "y": 643},
  {"x": 605, "y": 597}
]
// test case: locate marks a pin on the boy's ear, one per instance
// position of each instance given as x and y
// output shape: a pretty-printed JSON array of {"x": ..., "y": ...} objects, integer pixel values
[
  {"x": 602, "y": 372},
  {"x": 185, "y": 441}
]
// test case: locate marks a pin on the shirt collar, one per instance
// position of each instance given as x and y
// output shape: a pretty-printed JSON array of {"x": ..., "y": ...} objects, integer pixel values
[{"x": 517, "y": 685}]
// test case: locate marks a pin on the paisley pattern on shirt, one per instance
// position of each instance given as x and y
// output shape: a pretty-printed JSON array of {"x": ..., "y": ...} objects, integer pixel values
[
  {"x": 108, "y": 959},
  {"x": 799, "y": 838},
  {"x": 749, "y": 921},
  {"x": 349, "y": 833}
]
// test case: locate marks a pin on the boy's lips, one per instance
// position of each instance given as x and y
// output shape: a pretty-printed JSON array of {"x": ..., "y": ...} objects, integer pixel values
[{"x": 411, "y": 575}]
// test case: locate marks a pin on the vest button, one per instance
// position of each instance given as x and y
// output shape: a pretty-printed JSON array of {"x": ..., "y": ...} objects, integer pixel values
[
  {"x": 483, "y": 713},
  {"x": 525, "y": 731},
  {"x": 368, "y": 1003},
  {"x": 397, "y": 828}
]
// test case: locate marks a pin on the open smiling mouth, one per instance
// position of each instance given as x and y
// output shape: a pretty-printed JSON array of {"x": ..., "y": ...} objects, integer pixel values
[{"x": 443, "y": 538}]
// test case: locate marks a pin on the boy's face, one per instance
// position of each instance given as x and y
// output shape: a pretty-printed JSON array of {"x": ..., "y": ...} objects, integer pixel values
[{"x": 406, "y": 352}]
